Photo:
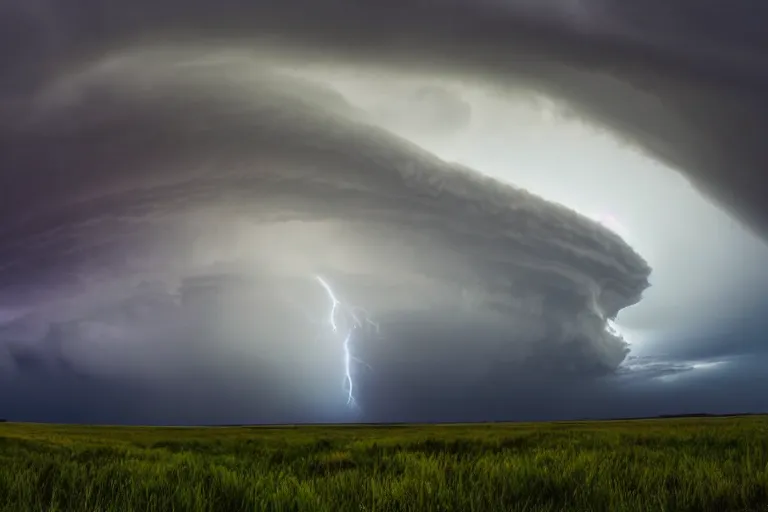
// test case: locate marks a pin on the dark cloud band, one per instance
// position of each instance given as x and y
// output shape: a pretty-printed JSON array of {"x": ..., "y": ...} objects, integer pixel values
[{"x": 685, "y": 82}]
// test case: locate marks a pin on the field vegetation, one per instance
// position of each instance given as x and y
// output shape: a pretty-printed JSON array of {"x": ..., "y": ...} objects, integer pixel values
[{"x": 692, "y": 464}]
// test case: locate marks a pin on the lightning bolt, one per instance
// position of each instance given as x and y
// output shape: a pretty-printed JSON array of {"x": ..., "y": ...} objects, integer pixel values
[{"x": 346, "y": 320}]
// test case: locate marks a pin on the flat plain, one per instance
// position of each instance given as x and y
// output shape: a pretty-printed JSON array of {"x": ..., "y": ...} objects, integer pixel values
[{"x": 691, "y": 464}]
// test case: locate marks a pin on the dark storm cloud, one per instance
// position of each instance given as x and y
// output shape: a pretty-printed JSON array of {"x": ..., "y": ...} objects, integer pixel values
[
  {"x": 725, "y": 385},
  {"x": 164, "y": 356},
  {"x": 147, "y": 137},
  {"x": 126, "y": 168},
  {"x": 118, "y": 159},
  {"x": 686, "y": 81}
]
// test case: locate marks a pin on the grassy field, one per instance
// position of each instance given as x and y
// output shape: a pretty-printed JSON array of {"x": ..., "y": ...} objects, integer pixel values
[{"x": 715, "y": 464}]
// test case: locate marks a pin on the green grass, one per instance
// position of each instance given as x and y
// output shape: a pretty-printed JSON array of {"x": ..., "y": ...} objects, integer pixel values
[{"x": 714, "y": 464}]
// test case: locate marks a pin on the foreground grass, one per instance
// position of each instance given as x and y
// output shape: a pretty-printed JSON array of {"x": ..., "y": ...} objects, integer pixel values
[{"x": 674, "y": 465}]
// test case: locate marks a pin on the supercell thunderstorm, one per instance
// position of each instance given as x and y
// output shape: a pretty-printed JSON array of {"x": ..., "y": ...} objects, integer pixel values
[
  {"x": 181, "y": 190},
  {"x": 266, "y": 180}
]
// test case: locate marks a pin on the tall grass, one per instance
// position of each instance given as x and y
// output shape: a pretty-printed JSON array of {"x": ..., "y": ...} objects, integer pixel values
[{"x": 651, "y": 465}]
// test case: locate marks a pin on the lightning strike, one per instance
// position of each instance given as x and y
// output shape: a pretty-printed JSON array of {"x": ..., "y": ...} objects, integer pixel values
[{"x": 347, "y": 319}]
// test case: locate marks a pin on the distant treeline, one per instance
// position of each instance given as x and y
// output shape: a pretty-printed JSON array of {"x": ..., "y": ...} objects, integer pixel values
[
  {"x": 391, "y": 425},
  {"x": 693, "y": 415}
]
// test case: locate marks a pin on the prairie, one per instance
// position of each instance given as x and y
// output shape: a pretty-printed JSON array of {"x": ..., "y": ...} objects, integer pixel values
[{"x": 690, "y": 464}]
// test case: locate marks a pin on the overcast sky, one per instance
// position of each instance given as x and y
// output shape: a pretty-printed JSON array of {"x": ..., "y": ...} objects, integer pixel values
[{"x": 215, "y": 212}]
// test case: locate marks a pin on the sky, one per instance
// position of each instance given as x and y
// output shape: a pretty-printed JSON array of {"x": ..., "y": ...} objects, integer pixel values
[{"x": 268, "y": 212}]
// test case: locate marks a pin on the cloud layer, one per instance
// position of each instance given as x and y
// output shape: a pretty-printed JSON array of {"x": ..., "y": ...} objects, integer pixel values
[
  {"x": 684, "y": 82},
  {"x": 159, "y": 166},
  {"x": 169, "y": 143}
]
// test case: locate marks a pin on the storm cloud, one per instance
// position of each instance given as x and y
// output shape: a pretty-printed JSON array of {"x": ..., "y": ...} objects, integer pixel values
[
  {"x": 165, "y": 165},
  {"x": 684, "y": 82},
  {"x": 175, "y": 174}
]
